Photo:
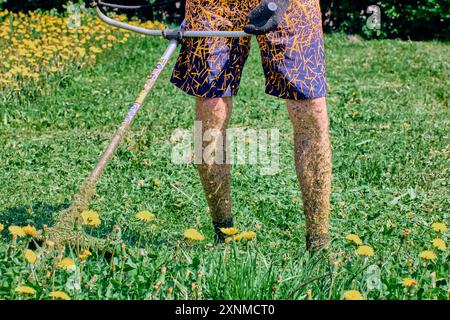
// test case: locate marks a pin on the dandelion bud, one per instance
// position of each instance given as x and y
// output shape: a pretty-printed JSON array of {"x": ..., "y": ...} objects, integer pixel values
[
  {"x": 433, "y": 279},
  {"x": 336, "y": 263},
  {"x": 406, "y": 233}
]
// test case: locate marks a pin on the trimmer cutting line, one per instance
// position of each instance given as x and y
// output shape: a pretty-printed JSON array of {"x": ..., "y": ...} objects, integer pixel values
[{"x": 68, "y": 229}]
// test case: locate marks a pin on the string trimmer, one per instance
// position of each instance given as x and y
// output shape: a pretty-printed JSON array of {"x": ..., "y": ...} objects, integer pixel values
[{"x": 68, "y": 227}]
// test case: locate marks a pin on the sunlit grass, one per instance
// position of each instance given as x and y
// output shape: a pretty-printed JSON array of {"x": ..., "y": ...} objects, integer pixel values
[{"x": 389, "y": 118}]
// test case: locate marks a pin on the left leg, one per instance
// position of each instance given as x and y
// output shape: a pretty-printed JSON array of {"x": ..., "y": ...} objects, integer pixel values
[
  {"x": 313, "y": 165},
  {"x": 294, "y": 66}
]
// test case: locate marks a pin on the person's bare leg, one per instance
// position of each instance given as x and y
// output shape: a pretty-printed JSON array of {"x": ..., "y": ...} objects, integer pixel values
[
  {"x": 313, "y": 165},
  {"x": 214, "y": 114}
]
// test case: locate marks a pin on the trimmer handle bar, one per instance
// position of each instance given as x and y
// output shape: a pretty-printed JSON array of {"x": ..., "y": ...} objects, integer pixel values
[{"x": 170, "y": 34}]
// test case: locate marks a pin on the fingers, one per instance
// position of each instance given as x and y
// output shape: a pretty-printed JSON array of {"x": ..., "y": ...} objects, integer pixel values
[
  {"x": 255, "y": 14},
  {"x": 269, "y": 26}
]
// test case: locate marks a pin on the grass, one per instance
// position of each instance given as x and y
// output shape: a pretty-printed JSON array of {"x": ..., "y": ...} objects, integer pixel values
[{"x": 389, "y": 110}]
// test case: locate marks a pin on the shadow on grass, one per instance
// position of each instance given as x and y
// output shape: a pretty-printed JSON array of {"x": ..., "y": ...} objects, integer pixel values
[
  {"x": 36, "y": 214},
  {"x": 40, "y": 214}
]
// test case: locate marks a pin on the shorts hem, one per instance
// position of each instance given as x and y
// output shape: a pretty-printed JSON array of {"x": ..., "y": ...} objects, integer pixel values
[
  {"x": 210, "y": 94},
  {"x": 295, "y": 95}
]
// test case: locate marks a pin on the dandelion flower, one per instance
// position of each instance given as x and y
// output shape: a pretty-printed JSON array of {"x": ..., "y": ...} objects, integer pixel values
[
  {"x": 29, "y": 230},
  {"x": 439, "y": 227},
  {"x": 59, "y": 295},
  {"x": 366, "y": 251},
  {"x": 193, "y": 234},
  {"x": 354, "y": 238},
  {"x": 84, "y": 254},
  {"x": 91, "y": 218},
  {"x": 427, "y": 255},
  {"x": 439, "y": 244},
  {"x": 2, "y": 227},
  {"x": 249, "y": 235},
  {"x": 145, "y": 216},
  {"x": 30, "y": 256},
  {"x": 353, "y": 295},
  {"x": 409, "y": 282},
  {"x": 229, "y": 231},
  {"x": 410, "y": 214},
  {"x": 16, "y": 231},
  {"x": 25, "y": 290},
  {"x": 66, "y": 264}
]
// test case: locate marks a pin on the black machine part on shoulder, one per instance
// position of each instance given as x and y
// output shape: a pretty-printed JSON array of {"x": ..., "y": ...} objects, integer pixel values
[{"x": 266, "y": 17}]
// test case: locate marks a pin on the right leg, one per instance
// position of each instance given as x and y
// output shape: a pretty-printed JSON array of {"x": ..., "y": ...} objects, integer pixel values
[
  {"x": 214, "y": 114},
  {"x": 210, "y": 69}
]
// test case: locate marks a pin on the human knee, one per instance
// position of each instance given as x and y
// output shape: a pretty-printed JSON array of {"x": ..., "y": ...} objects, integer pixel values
[
  {"x": 308, "y": 115},
  {"x": 214, "y": 112}
]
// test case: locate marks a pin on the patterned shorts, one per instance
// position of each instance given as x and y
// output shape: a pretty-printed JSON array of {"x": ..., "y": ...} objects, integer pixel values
[{"x": 292, "y": 56}]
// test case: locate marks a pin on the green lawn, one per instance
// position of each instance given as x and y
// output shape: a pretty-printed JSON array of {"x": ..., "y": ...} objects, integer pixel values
[{"x": 389, "y": 110}]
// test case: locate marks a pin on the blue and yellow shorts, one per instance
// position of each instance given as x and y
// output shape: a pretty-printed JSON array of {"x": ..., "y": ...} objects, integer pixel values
[{"x": 292, "y": 55}]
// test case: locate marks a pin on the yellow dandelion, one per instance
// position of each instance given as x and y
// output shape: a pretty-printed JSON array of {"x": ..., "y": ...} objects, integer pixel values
[
  {"x": 66, "y": 264},
  {"x": 439, "y": 244},
  {"x": 410, "y": 214},
  {"x": 439, "y": 227},
  {"x": 249, "y": 235},
  {"x": 145, "y": 216},
  {"x": 229, "y": 231},
  {"x": 354, "y": 238},
  {"x": 409, "y": 282},
  {"x": 193, "y": 234},
  {"x": 353, "y": 295},
  {"x": 427, "y": 255},
  {"x": 29, "y": 230},
  {"x": 365, "y": 251},
  {"x": 2, "y": 227},
  {"x": 16, "y": 231},
  {"x": 25, "y": 290},
  {"x": 59, "y": 295},
  {"x": 91, "y": 218},
  {"x": 84, "y": 255},
  {"x": 30, "y": 256}
]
